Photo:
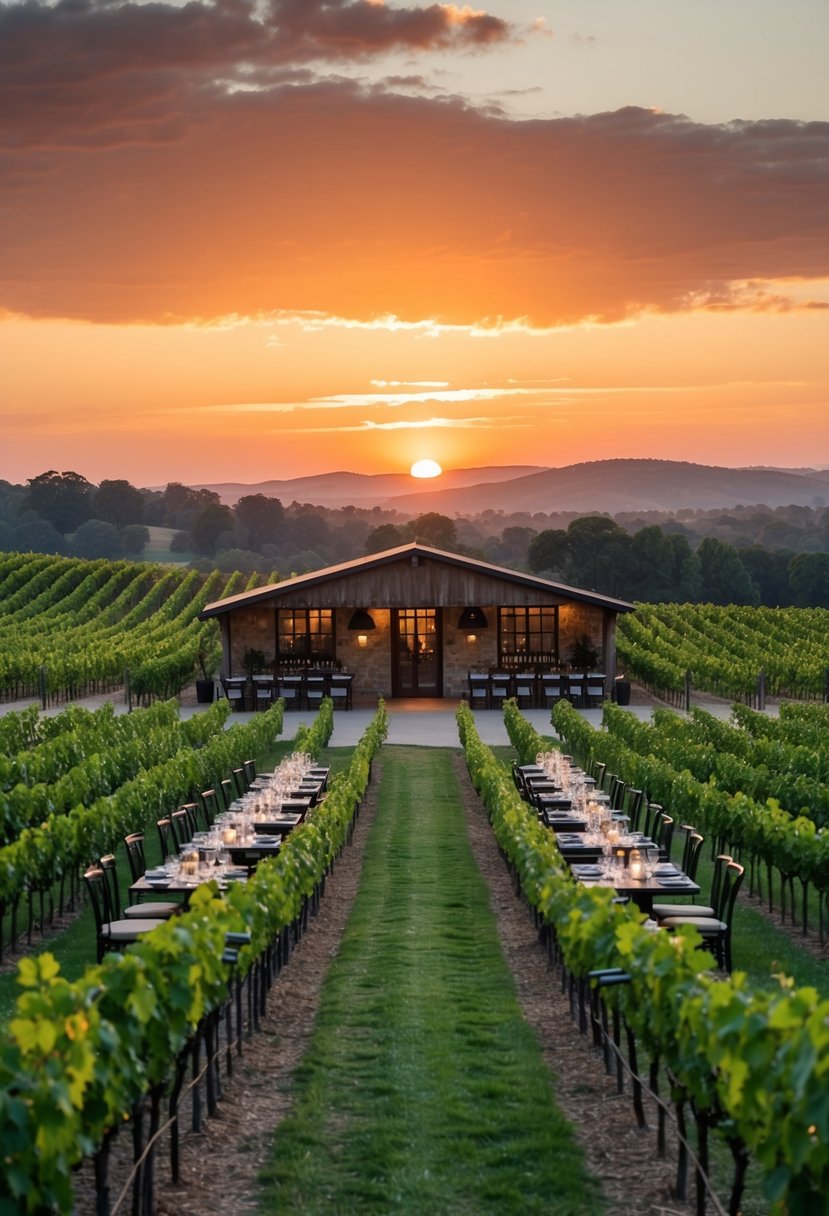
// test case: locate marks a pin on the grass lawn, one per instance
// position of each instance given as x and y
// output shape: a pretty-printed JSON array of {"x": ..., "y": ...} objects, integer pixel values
[{"x": 424, "y": 1090}]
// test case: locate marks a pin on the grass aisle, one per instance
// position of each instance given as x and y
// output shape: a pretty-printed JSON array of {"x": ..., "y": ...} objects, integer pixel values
[{"x": 424, "y": 1090}]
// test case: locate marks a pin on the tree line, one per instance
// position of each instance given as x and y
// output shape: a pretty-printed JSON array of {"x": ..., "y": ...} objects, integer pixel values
[{"x": 749, "y": 555}]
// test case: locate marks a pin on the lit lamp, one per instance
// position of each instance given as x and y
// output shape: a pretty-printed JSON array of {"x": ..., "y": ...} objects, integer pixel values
[
  {"x": 472, "y": 618},
  {"x": 636, "y": 865}
]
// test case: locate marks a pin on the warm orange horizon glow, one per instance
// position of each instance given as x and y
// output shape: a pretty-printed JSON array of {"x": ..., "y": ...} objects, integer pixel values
[{"x": 280, "y": 250}]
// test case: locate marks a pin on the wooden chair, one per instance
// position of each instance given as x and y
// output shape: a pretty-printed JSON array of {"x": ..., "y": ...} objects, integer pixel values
[
  {"x": 181, "y": 830},
  {"x": 263, "y": 691},
  {"x": 662, "y": 911},
  {"x": 340, "y": 690},
  {"x": 716, "y": 930},
  {"x": 195, "y": 818},
  {"x": 314, "y": 691},
  {"x": 289, "y": 688},
  {"x": 152, "y": 910},
  {"x": 575, "y": 689},
  {"x": 210, "y": 805},
  {"x": 250, "y": 771},
  {"x": 594, "y": 689},
  {"x": 240, "y": 781},
  {"x": 112, "y": 933},
  {"x": 227, "y": 792},
  {"x": 169, "y": 848},
  {"x": 524, "y": 688},
  {"x": 500, "y": 687},
  {"x": 235, "y": 691},
  {"x": 478, "y": 682},
  {"x": 550, "y": 683}
]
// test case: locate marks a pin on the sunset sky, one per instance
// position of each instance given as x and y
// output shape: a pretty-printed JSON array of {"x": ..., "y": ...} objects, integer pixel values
[{"x": 242, "y": 241}]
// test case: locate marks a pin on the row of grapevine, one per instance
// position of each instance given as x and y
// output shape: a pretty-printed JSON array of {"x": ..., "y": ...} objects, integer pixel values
[
  {"x": 70, "y": 627},
  {"x": 726, "y": 648},
  {"x": 793, "y": 774},
  {"x": 77, "y": 767},
  {"x": 752, "y": 1063},
  {"x": 196, "y": 755},
  {"x": 80, "y": 1056},
  {"x": 763, "y": 834}
]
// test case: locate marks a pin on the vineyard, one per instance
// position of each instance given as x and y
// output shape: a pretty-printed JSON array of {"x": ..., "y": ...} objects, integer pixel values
[
  {"x": 725, "y": 650},
  {"x": 70, "y": 628}
]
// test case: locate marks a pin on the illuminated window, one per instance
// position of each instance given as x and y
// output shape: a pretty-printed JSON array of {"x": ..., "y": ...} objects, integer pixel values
[
  {"x": 529, "y": 632},
  {"x": 305, "y": 633}
]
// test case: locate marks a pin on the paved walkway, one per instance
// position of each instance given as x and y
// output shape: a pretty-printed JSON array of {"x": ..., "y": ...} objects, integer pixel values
[{"x": 420, "y": 722}]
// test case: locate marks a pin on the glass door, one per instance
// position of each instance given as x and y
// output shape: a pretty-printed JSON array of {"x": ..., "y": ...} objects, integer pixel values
[{"x": 416, "y": 642}]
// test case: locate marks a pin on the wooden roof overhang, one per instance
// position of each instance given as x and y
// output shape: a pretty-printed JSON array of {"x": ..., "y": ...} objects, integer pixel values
[{"x": 413, "y": 576}]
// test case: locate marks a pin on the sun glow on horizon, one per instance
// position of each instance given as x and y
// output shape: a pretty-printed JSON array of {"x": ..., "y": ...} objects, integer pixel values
[{"x": 426, "y": 468}]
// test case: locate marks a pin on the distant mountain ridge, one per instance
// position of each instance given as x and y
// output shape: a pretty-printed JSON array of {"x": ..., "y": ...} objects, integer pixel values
[
  {"x": 601, "y": 486},
  {"x": 363, "y": 489}
]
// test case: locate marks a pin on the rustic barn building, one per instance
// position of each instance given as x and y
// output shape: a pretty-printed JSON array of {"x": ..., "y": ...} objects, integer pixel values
[{"x": 414, "y": 621}]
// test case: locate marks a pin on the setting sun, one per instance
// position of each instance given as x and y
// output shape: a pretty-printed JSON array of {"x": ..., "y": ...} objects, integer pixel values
[{"x": 426, "y": 468}]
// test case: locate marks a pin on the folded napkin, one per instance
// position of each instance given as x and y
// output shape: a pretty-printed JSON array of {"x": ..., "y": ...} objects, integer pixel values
[{"x": 588, "y": 871}]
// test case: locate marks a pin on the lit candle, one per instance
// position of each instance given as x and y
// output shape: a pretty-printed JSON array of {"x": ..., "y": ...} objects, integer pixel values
[
  {"x": 229, "y": 836},
  {"x": 636, "y": 865}
]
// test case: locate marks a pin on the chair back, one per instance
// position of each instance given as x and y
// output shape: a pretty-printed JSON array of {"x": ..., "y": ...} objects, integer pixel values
[
  {"x": 634, "y": 807},
  {"x": 691, "y": 849},
  {"x": 94, "y": 882},
  {"x": 720, "y": 863},
  {"x": 250, "y": 771},
  {"x": 499, "y": 685},
  {"x": 210, "y": 805},
  {"x": 617, "y": 793},
  {"x": 339, "y": 690},
  {"x": 663, "y": 835},
  {"x": 652, "y": 813},
  {"x": 599, "y": 771},
  {"x": 180, "y": 824},
  {"x": 226, "y": 787},
  {"x": 194, "y": 817},
  {"x": 111, "y": 888},
  {"x": 732, "y": 879},
  {"x": 169, "y": 848},
  {"x": 240, "y": 782},
  {"x": 135, "y": 855}
]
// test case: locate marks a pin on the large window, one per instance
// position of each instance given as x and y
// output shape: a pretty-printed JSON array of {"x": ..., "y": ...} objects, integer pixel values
[
  {"x": 529, "y": 634},
  {"x": 305, "y": 633}
]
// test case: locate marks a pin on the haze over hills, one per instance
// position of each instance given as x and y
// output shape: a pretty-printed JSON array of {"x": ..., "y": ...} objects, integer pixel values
[
  {"x": 364, "y": 490},
  {"x": 603, "y": 486}
]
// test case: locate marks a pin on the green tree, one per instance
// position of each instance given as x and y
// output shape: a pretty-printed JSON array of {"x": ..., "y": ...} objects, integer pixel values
[
  {"x": 809, "y": 580},
  {"x": 36, "y": 535},
  {"x": 118, "y": 503},
  {"x": 208, "y": 526},
  {"x": 63, "y": 499},
  {"x": 259, "y": 520},
  {"x": 386, "y": 536},
  {"x": 434, "y": 529},
  {"x": 725, "y": 579},
  {"x": 134, "y": 538},
  {"x": 549, "y": 551},
  {"x": 96, "y": 538}
]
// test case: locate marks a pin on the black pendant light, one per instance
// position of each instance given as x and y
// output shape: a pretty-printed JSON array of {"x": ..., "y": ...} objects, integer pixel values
[
  {"x": 472, "y": 618},
  {"x": 360, "y": 621}
]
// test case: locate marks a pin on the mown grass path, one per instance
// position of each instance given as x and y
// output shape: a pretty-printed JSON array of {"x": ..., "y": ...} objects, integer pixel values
[{"x": 424, "y": 1090}]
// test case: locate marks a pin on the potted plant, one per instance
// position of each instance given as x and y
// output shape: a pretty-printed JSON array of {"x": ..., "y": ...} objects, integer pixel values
[
  {"x": 206, "y": 685},
  {"x": 253, "y": 662}
]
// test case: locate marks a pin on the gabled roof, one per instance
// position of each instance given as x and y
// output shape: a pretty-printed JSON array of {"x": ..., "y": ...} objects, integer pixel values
[{"x": 274, "y": 591}]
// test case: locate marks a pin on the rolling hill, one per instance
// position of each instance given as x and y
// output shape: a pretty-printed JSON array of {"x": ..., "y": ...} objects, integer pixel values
[{"x": 610, "y": 486}]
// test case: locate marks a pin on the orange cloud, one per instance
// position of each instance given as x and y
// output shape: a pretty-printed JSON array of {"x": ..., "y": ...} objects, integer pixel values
[{"x": 184, "y": 163}]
